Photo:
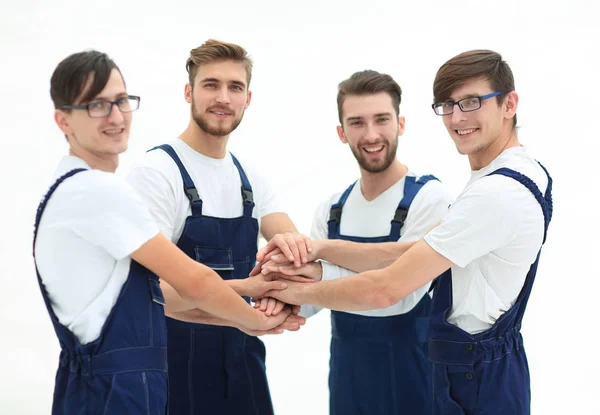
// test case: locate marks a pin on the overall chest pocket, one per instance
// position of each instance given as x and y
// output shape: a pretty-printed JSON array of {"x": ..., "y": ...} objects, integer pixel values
[{"x": 218, "y": 259}]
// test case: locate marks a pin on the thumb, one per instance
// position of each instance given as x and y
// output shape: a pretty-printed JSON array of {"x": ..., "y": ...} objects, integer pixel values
[{"x": 276, "y": 285}]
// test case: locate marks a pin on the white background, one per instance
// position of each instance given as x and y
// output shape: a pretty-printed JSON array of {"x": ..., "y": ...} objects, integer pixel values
[{"x": 301, "y": 51}]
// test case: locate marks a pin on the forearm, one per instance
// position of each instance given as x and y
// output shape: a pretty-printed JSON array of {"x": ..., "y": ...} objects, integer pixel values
[
  {"x": 175, "y": 303},
  {"x": 200, "y": 317},
  {"x": 365, "y": 291},
  {"x": 358, "y": 256},
  {"x": 276, "y": 223},
  {"x": 375, "y": 289},
  {"x": 219, "y": 300}
]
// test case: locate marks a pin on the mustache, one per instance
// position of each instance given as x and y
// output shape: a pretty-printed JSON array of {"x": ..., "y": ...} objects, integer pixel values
[{"x": 220, "y": 108}]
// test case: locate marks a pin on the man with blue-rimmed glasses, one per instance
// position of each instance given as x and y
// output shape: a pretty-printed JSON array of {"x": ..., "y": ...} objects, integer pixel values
[{"x": 486, "y": 248}]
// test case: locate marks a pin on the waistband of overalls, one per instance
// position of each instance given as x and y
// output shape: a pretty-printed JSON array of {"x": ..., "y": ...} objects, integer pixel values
[
  {"x": 133, "y": 359},
  {"x": 479, "y": 348},
  {"x": 355, "y": 326}
]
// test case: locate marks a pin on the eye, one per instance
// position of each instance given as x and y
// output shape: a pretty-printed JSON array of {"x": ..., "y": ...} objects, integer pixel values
[
  {"x": 210, "y": 85},
  {"x": 237, "y": 88},
  {"x": 382, "y": 120},
  {"x": 355, "y": 123},
  {"x": 98, "y": 105},
  {"x": 447, "y": 105}
]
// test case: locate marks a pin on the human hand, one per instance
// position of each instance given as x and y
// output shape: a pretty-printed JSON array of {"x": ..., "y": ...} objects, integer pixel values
[
  {"x": 310, "y": 272},
  {"x": 295, "y": 247}
]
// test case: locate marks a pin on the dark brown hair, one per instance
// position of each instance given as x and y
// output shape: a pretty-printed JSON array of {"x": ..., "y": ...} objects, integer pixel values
[
  {"x": 369, "y": 82},
  {"x": 71, "y": 76},
  {"x": 473, "y": 64}
]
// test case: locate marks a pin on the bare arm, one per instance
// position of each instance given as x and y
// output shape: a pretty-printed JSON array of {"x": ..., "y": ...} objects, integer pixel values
[
  {"x": 358, "y": 256},
  {"x": 248, "y": 287},
  {"x": 200, "y": 286},
  {"x": 292, "y": 323},
  {"x": 275, "y": 223},
  {"x": 372, "y": 289},
  {"x": 355, "y": 256}
]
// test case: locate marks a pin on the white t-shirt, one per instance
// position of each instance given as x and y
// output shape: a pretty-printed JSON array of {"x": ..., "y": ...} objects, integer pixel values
[
  {"x": 91, "y": 224},
  {"x": 364, "y": 218},
  {"x": 492, "y": 234},
  {"x": 158, "y": 181}
]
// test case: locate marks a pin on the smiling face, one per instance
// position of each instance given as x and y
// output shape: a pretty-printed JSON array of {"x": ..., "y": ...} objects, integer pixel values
[
  {"x": 101, "y": 138},
  {"x": 480, "y": 132},
  {"x": 219, "y": 96},
  {"x": 371, "y": 128}
]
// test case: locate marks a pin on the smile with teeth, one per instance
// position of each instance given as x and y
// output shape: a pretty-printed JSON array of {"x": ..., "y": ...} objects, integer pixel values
[
  {"x": 373, "y": 149},
  {"x": 219, "y": 112},
  {"x": 466, "y": 131},
  {"x": 116, "y": 131}
]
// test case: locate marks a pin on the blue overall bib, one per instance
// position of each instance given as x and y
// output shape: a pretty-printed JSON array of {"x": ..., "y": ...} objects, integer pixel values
[
  {"x": 379, "y": 365},
  {"x": 484, "y": 373},
  {"x": 213, "y": 369},
  {"x": 123, "y": 371}
]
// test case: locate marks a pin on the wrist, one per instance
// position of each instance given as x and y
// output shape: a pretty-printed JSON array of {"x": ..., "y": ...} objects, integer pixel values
[
  {"x": 239, "y": 286},
  {"x": 321, "y": 248}
]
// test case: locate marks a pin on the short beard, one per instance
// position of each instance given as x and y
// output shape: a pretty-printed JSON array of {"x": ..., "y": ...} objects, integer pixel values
[
  {"x": 204, "y": 125},
  {"x": 363, "y": 163}
]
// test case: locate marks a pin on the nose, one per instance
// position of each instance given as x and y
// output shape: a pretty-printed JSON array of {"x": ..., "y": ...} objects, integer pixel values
[
  {"x": 371, "y": 132},
  {"x": 458, "y": 115},
  {"x": 223, "y": 96},
  {"x": 115, "y": 115}
]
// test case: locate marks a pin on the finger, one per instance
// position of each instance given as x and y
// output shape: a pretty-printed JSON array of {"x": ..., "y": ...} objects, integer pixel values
[
  {"x": 278, "y": 307},
  {"x": 268, "y": 256},
  {"x": 290, "y": 326},
  {"x": 296, "y": 319},
  {"x": 271, "y": 306},
  {"x": 302, "y": 249},
  {"x": 264, "y": 302},
  {"x": 275, "y": 285},
  {"x": 296, "y": 310},
  {"x": 285, "y": 249},
  {"x": 290, "y": 242},
  {"x": 265, "y": 250},
  {"x": 308, "y": 243},
  {"x": 297, "y": 278},
  {"x": 256, "y": 270},
  {"x": 288, "y": 268},
  {"x": 280, "y": 259}
]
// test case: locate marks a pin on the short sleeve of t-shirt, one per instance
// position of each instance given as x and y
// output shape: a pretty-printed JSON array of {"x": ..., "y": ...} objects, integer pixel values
[
  {"x": 483, "y": 219},
  {"x": 103, "y": 210},
  {"x": 157, "y": 191}
]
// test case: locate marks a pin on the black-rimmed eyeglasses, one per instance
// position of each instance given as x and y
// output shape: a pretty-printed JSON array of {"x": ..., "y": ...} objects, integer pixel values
[
  {"x": 99, "y": 109},
  {"x": 466, "y": 104}
]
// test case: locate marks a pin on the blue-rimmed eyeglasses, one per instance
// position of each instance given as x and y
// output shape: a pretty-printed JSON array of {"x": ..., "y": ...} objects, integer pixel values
[
  {"x": 466, "y": 104},
  {"x": 99, "y": 109}
]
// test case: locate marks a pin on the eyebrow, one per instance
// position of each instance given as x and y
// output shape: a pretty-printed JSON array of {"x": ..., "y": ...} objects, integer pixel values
[
  {"x": 381, "y": 114},
  {"x": 103, "y": 98},
  {"x": 465, "y": 96},
  {"x": 240, "y": 83}
]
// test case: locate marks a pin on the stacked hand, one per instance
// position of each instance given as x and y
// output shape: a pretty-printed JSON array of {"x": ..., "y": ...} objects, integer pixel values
[{"x": 288, "y": 257}]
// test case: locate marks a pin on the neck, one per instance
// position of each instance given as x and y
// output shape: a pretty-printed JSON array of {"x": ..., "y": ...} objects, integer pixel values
[
  {"x": 374, "y": 184},
  {"x": 206, "y": 144},
  {"x": 104, "y": 163},
  {"x": 484, "y": 157}
]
